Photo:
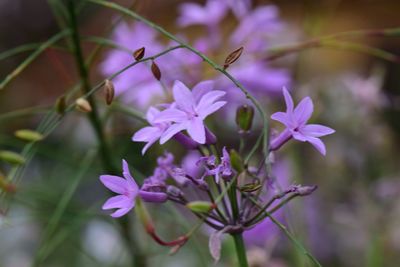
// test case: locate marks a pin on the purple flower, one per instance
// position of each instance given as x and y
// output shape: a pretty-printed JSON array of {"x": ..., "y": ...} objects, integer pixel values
[
  {"x": 295, "y": 120},
  {"x": 189, "y": 110},
  {"x": 127, "y": 189},
  {"x": 240, "y": 8},
  {"x": 256, "y": 27},
  {"x": 150, "y": 134},
  {"x": 224, "y": 169},
  {"x": 137, "y": 85},
  {"x": 194, "y": 14}
]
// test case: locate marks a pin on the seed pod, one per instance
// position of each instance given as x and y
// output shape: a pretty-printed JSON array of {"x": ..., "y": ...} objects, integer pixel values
[
  {"x": 11, "y": 157},
  {"x": 139, "y": 54},
  {"x": 109, "y": 91},
  {"x": 155, "y": 70},
  {"x": 61, "y": 105},
  {"x": 83, "y": 105},
  {"x": 244, "y": 117},
  {"x": 236, "y": 161},
  {"x": 251, "y": 187},
  {"x": 201, "y": 206},
  {"x": 232, "y": 57},
  {"x": 29, "y": 135}
]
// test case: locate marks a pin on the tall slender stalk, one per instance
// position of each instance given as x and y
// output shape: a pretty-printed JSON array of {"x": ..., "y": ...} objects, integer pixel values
[
  {"x": 240, "y": 250},
  {"x": 137, "y": 258}
]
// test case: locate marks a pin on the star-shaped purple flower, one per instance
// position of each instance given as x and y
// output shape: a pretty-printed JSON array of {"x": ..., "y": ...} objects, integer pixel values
[
  {"x": 125, "y": 187},
  {"x": 295, "y": 120},
  {"x": 189, "y": 110},
  {"x": 150, "y": 134}
]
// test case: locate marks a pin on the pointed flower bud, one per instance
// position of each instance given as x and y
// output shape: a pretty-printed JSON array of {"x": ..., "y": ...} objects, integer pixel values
[
  {"x": 29, "y": 135},
  {"x": 61, "y": 105},
  {"x": 109, "y": 91},
  {"x": 83, "y": 105},
  {"x": 201, "y": 206},
  {"x": 232, "y": 57},
  {"x": 11, "y": 157},
  {"x": 304, "y": 190},
  {"x": 139, "y": 54},
  {"x": 244, "y": 117},
  {"x": 155, "y": 70}
]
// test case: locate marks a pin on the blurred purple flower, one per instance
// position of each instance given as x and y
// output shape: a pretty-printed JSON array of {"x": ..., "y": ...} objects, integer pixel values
[
  {"x": 257, "y": 26},
  {"x": 210, "y": 14},
  {"x": 295, "y": 120},
  {"x": 150, "y": 134},
  {"x": 189, "y": 110},
  {"x": 127, "y": 189},
  {"x": 190, "y": 166},
  {"x": 137, "y": 84},
  {"x": 240, "y": 8}
]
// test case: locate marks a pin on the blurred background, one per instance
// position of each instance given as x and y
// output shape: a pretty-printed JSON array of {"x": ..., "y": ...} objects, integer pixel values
[{"x": 54, "y": 218}]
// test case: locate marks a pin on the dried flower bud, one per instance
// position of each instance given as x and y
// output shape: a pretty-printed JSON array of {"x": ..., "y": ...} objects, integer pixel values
[
  {"x": 29, "y": 135},
  {"x": 109, "y": 91},
  {"x": 11, "y": 157},
  {"x": 201, "y": 206},
  {"x": 236, "y": 161},
  {"x": 244, "y": 117},
  {"x": 155, "y": 70},
  {"x": 139, "y": 54},
  {"x": 232, "y": 57},
  {"x": 304, "y": 190},
  {"x": 61, "y": 105},
  {"x": 83, "y": 105},
  {"x": 251, "y": 187}
]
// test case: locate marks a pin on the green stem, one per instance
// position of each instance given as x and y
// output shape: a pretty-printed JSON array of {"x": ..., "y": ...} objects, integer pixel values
[{"x": 240, "y": 250}]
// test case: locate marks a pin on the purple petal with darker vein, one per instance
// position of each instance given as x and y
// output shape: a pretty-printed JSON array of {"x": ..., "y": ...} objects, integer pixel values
[
  {"x": 157, "y": 197},
  {"x": 303, "y": 111},
  {"x": 114, "y": 183}
]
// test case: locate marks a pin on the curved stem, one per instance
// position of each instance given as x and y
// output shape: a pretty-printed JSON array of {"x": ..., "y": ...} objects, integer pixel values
[{"x": 240, "y": 250}]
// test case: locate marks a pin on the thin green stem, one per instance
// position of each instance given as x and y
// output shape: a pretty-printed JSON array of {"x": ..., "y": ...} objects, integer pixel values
[{"x": 240, "y": 250}]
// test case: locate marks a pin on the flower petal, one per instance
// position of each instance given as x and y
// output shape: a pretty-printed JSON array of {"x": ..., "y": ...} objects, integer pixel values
[
  {"x": 122, "y": 212},
  {"x": 114, "y": 183},
  {"x": 196, "y": 130},
  {"x": 202, "y": 88},
  {"x": 208, "y": 99},
  {"x": 211, "y": 109},
  {"x": 318, "y": 144},
  {"x": 151, "y": 113},
  {"x": 288, "y": 100},
  {"x": 147, "y": 133},
  {"x": 281, "y": 117},
  {"x": 299, "y": 136},
  {"x": 303, "y": 111},
  {"x": 170, "y": 115},
  {"x": 183, "y": 96},
  {"x": 133, "y": 187},
  {"x": 120, "y": 201},
  {"x": 171, "y": 131},
  {"x": 316, "y": 130}
]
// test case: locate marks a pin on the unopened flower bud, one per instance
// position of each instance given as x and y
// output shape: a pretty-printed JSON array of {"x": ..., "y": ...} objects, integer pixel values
[
  {"x": 201, "y": 206},
  {"x": 11, "y": 157},
  {"x": 28, "y": 135},
  {"x": 305, "y": 190},
  {"x": 109, "y": 91},
  {"x": 244, "y": 117},
  {"x": 139, "y": 54},
  {"x": 232, "y": 57},
  {"x": 61, "y": 105},
  {"x": 156, "y": 71},
  {"x": 83, "y": 105},
  {"x": 174, "y": 191},
  {"x": 236, "y": 161},
  {"x": 251, "y": 187}
]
